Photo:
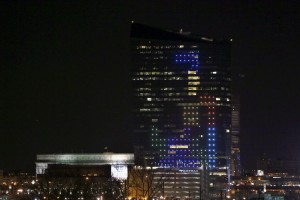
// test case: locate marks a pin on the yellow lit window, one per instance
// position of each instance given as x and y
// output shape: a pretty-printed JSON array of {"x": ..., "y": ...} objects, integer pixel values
[
  {"x": 191, "y": 72},
  {"x": 192, "y": 93},
  {"x": 193, "y": 78},
  {"x": 194, "y": 83}
]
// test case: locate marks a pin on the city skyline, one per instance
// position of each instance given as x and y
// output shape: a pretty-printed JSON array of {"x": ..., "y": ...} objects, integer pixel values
[{"x": 66, "y": 73}]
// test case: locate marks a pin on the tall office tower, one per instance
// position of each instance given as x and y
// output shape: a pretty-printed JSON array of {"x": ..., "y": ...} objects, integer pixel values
[
  {"x": 235, "y": 137},
  {"x": 181, "y": 97}
]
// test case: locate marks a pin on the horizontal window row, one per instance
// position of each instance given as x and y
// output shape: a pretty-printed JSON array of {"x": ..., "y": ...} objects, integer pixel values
[
  {"x": 158, "y": 78},
  {"x": 181, "y": 46},
  {"x": 154, "y": 73}
]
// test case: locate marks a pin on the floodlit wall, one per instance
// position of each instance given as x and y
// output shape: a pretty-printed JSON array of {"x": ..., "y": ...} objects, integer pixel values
[{"x": 114, "y": 159}]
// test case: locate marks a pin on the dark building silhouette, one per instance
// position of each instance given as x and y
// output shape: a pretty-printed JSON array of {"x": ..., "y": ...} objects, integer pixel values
[
  {"x": 270, "y": 166},
  {"x": 235, "y": 137},
  {"x": 181, "y": 97}
]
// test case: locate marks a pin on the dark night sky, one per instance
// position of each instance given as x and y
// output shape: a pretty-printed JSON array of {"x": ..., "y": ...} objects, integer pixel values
[{"x": 65, "y": 73}]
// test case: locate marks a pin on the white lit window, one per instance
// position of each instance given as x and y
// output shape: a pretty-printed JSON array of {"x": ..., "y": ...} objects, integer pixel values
[{"x": 119, "y": 172}]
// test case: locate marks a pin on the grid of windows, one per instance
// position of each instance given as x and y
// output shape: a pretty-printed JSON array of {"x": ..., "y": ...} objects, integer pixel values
[{"x": 181, "y": 99}]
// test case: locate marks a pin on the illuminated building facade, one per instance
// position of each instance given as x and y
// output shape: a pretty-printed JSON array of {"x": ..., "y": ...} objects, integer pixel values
[
  {"x": 83, "y": 176},
  {"x": 183, "y": 183},
  {"x": 235, "y": 140},
  {"x": 181, "y": 97},
  {"x": 85, "y": 164}
]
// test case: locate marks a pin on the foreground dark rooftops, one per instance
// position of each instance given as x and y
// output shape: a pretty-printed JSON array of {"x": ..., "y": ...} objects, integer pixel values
[{"x": 142, "y": 31}]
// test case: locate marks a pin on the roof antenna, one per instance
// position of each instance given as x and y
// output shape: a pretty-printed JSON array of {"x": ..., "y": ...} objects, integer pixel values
[{"x": 106, "y": 149}]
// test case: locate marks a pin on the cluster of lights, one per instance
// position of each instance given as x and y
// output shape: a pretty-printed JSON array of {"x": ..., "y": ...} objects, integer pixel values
[
  {"x": 179, "y": 162},
  {"x": 184, "y": 153},
  {"x": 180, "y": 153},
  {"x": 208, "y": 101},
  {"x": 188, "y": 58},
  {"x": 211, "y": 130},
  {"x": 182, "y": 139}
]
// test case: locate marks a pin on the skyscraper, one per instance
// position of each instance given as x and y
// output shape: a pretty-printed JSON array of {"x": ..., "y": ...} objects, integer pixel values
[
  {"x": 235, "y": 137},
  {"x": 181, "y": 97}
]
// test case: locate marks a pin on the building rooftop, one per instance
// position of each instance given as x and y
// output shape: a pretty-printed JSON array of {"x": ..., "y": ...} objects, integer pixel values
[
  {"x": 87, "y": 158},
  {"x": 148, "y": 32}
]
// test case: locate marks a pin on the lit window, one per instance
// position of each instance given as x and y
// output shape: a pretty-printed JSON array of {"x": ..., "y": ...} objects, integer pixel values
[
  {"x": 193, "y": 78},
  {"x": 193, "y": 83},
  {"x": 192, "y": 93},
  {"x": 192, "y": 72}
]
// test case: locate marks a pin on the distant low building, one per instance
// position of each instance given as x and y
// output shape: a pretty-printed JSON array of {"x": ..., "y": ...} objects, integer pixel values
[
  {"x": 263, "y": 163},
  {"x": 292, "y": 167},
  {"x": 83, "y": 176},
  {"x": 82, "y": 163},
  {"x": 17, "y": 185}
]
